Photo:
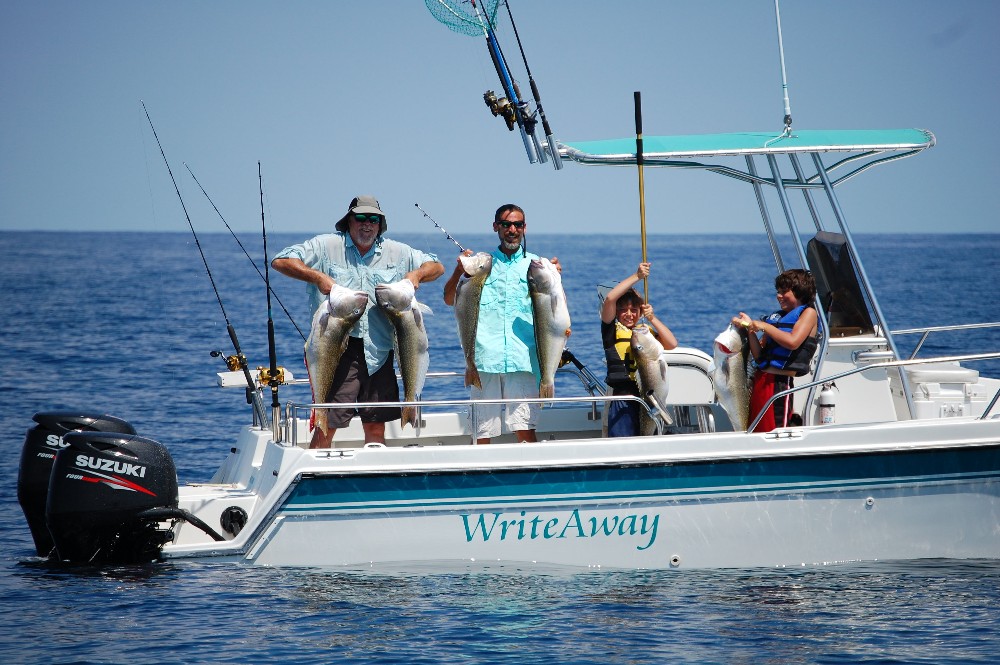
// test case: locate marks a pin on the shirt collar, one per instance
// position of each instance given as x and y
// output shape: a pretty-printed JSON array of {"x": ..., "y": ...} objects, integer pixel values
[{"x": 516, "y": 256}]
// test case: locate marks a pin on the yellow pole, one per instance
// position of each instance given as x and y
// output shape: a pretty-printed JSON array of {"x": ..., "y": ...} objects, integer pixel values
[{"x": 642, "y": 187}]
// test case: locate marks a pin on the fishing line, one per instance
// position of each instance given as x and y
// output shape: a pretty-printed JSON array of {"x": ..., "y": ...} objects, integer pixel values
[
  {"x": 439, "y": 226},
  {"x": 186, "y": 215},
  {"x": 149, "y": 177},
  {"x": 253, "y": 395},
  {"x": 250, "y": 258}
]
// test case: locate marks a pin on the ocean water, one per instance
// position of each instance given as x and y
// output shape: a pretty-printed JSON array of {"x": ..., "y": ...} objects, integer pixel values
[{"x": 124, "y": 323}]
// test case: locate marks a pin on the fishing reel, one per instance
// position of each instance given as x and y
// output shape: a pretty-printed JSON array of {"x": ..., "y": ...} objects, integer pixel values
[
  {"x": 264, "y": 376},
  {"x": 233, "y": 362},
  {"x": 501, "y": 107}
]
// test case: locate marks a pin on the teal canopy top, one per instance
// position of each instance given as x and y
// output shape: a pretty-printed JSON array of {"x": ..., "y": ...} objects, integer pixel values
[{"x": 661, "y": 149}]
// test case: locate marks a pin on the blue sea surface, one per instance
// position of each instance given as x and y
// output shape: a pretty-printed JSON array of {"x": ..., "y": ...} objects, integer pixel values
[{"x": 124, "y": 323}]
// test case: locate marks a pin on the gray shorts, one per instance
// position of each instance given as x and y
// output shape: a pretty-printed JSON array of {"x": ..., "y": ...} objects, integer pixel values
[{"x": 352, "y": 383}]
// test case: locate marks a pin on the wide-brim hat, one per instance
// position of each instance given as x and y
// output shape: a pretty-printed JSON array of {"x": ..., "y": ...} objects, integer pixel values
[{"x": 365, "y": 205}]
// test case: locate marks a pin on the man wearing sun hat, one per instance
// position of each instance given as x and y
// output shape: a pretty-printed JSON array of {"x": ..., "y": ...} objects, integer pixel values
[{"x": 358, "y": 257}]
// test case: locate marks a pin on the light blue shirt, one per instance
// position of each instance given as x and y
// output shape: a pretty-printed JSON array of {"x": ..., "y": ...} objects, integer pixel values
[
  {"x": 505, "y": 337},
  {"x": 387, "y": 261}
]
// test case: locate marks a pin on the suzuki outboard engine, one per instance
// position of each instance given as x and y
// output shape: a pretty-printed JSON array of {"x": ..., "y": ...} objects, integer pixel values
[
  {"x": 41, "y": 444},
  {"x": 101, "y": 485}
]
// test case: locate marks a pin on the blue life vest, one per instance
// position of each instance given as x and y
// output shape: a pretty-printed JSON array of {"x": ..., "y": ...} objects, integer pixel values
[{"x": 775, "y": 356}]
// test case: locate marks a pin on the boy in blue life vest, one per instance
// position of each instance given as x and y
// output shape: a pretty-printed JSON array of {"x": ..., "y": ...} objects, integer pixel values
[
  {"x": 622, "y": 309},
  {"x": 786, "y": 345}
]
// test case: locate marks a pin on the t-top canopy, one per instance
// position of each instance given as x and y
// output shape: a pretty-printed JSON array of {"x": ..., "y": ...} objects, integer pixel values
[{"x": 665, "y": 148}]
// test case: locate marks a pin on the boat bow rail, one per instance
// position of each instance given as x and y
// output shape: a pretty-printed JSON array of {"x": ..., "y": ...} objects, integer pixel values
[{"x": 923, "y": 373}]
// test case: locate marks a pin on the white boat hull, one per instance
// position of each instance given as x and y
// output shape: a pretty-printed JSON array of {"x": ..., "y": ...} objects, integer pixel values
[{"x": 809, "y": 496}]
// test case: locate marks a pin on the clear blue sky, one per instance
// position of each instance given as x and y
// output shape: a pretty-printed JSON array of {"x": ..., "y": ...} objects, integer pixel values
[{"x": 340, "y": 98}]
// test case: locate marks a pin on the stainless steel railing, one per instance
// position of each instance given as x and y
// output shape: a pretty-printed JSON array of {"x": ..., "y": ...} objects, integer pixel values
[{"x": 882, "y": 365}]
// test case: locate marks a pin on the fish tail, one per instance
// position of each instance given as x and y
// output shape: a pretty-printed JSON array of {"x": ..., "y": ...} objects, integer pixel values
[
  {"x": 472, "y": 377},
  {"x": 547, "y": 390},
  {"x": 319, "y": 419},
  {"x": 409, "y": 416}
]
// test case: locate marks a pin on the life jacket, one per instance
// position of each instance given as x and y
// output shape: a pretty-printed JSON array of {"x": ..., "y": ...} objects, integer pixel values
[
  {"x": 618, "y": 354},
  {"x": 776, "y": 356}
]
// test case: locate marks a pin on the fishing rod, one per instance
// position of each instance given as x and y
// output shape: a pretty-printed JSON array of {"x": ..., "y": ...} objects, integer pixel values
[
  {"x": 511, "y": 108},
  {"x": 253, "y": 395},
  {"x": 525, "y": 120},
  {"x": 439, "y": 226},
  {"x": 252, "y": 262},
  {"x": 556, "y": 159},
  {"x": 274, "y": 378},
  {"x": 642, "y": 190}
]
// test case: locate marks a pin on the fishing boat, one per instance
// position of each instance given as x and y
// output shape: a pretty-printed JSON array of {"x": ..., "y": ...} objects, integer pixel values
[
  {"x": 896, "y": 457},
  {"x": 907, "y": 465}
]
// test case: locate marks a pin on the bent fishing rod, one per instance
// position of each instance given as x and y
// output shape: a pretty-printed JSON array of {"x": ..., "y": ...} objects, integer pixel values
[
  {"x": 253, "y": 395},
  {"x": 252, "y": 262}
]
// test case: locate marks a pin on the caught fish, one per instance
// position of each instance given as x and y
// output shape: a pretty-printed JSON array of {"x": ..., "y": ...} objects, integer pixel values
[
  {"x": 651, "y": 373},
  {"x": 399, "y": 302},
  {"x": 551, "y": 313},
  {"x": 467, "y": 294},
  {"x": 327, "y": 341},
  {"x": 732, "y": 389}
]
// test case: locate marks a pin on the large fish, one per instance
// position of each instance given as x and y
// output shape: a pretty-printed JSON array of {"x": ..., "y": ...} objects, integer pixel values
[
  {"x": 729, "y": 354},
  {"x": 327, "y": 341},
  {"x": 467, "y": 295},
  {"x": 399, "y": 302},
  {"x": 651, "y": 373},
  {"x": 551, "y": 314}
]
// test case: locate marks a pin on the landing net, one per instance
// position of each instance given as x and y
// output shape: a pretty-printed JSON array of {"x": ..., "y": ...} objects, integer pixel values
[{"x": 462, "y": 17}]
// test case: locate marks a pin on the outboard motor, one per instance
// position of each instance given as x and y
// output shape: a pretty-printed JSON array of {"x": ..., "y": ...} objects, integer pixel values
[
  {"x": 41, "y": 444},
  {"x": 101, "y": 485}
]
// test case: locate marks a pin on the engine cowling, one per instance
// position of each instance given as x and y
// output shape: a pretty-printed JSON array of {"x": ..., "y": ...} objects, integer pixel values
[
  {"x": 100, "y": 485},
  {"x": 41, "y": 443}
]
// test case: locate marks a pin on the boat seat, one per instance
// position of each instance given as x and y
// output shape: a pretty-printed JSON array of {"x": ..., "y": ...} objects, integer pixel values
[
  {"x": 684, "y": 355},
  {"x": 941, "y": 373},
  {"x": 689, "y": 376}
]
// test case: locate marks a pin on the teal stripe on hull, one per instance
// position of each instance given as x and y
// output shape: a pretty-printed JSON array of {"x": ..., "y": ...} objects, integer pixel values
[{"x": 335, "y": 492}]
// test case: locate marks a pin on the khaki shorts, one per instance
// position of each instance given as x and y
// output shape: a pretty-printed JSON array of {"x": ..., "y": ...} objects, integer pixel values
[{"x": 519, "y": 416}]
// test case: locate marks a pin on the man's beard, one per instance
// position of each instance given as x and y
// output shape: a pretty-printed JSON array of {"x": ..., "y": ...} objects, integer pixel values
[{"x": 510, "y": 246}]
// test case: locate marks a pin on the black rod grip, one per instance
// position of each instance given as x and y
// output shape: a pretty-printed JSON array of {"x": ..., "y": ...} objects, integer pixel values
[{"x": 638, "y": 113}]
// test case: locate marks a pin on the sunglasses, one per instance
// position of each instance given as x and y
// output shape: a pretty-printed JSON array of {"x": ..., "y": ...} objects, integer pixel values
[
  {"x": 371, "y": 219},
  {"x": 507, "y": 225}
]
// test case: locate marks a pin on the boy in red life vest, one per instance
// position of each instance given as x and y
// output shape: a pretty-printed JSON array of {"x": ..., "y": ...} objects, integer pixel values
[{"x": 786, "y": 345}]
